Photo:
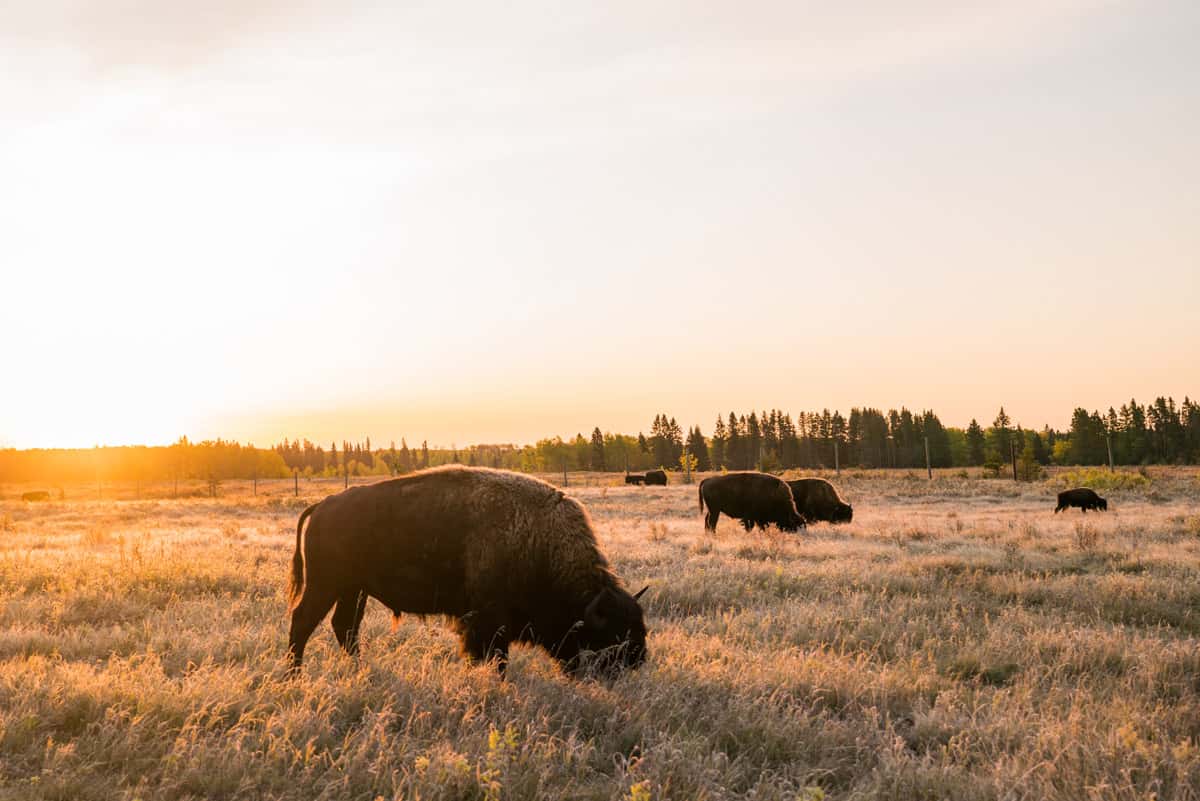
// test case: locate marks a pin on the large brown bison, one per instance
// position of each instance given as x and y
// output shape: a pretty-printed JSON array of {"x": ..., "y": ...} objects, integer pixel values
[
  {"x": 36, "y": 495},
  {"x": 757, "y": 499},
  {"x": 1082, "y": 498},
  {"x": 817, "y": 499},
  {"x": 507, "y": 557},
  {"x": 658, "y": 477}
]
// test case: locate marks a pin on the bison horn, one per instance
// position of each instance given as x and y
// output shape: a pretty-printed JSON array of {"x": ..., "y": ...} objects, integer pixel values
[
  {"x": 592, "y": 614},
  {"x": 640, "y": 592}
]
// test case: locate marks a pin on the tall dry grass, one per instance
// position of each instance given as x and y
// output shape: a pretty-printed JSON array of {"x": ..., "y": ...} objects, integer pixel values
[{"x": 958, "y": 640}]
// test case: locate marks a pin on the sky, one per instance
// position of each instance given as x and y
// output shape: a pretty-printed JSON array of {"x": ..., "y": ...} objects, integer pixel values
[{"x": 499, "y": 222}]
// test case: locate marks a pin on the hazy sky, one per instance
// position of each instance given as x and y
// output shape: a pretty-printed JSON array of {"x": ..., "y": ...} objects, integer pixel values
[{"x": 494, "y": 222}]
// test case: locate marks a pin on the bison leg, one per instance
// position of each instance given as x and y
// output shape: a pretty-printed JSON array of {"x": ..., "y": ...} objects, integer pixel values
[
  {"x": 311, "y": 610},
  {"x": 484, "y": 638},
  {"x": 748, "y": 524},
  {"x": 347, "y": 617},
  {"x": 1059, "y": 508},
  {"x": 710, "y": 519}
]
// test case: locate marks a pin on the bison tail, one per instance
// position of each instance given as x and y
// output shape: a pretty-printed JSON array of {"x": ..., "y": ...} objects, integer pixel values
[
  {"x": 700, "y": 492},
  {"x": 296, "y": 584}
]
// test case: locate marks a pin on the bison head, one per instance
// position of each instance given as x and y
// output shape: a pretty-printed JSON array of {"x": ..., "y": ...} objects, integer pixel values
[
  {"x": 614, "y": 631},
  {"x": 1104, "y": 504},
  {"x": 844, "y": 513}
]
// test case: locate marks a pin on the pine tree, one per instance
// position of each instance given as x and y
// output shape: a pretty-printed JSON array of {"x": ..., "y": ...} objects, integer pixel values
[
  {"x": 999, "y": 439},
  {"x": 674, "y": 435},
  {"x": 718, "y": 444},
  {"x": 975, "y": 442},
  {"x": 734, "y": 449},
  {"x": 698, "y": 448},
  {"x": 598, "y": 461}
]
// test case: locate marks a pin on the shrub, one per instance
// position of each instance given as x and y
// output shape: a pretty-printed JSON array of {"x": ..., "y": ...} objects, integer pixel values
[{"x": 1101, "y": 479}]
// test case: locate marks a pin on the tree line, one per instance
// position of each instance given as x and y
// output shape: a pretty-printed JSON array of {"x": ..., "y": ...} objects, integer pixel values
[{"x": 1162, "y": 432}]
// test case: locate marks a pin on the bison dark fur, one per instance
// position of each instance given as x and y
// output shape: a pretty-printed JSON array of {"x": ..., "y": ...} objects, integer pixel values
[
  {"x": 1081, "y": 498},
  {"x": 36, "y": 495},
  {"x": 507, "y": 557},
  {"x": 635, "y": 478},
  {"x": 658, "y": 477},
  {"x": 756, "y": 499},
  {"x": 817, "y": 499}
]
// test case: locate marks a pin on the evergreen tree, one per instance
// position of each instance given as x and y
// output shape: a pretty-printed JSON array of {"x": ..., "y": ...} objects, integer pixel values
[
  {"x": 674, "y": 436},
  {"x": 753, "y": 442},
  {"x": 975, "y": 442},
  {"x": 699, "y": 449},
  {"x": 718, "y": 444},
  {"x": 734, "y": 450},
  {"x": 999, "y": 439},
  {"x": 598, "y": 461}
]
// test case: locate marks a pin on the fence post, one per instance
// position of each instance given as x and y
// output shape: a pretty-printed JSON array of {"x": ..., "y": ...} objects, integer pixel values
[
  {"x": 256, "y": 481},
  {"x": 928, "y": 468},
  {"x": 296, "y": 482},
  {"x": 1012, "y": 444},
  {"x": 837, "y": 462},
  {"x": 687, "y": 463},
  {"x": 564, "y": 472},
  {"x": 1108, "y": 441}
]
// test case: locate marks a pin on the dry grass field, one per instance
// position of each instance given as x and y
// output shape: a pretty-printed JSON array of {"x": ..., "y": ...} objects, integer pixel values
[{"x": 957, "y": 640}]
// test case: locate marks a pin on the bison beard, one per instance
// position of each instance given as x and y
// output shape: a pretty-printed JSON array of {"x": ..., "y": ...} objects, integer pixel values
[
  {"x": 756, "y": 499},
  {"x": 507, "y": 557}
]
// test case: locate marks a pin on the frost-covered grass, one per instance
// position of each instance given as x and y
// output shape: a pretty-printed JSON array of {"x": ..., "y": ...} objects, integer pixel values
[{"x": 958, "y": 640}]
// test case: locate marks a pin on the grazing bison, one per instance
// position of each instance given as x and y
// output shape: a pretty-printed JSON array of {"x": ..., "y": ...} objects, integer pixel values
[
  {"x": 635, "y": 478},
  {"x": 509, "y": 558},
  {"x": 1081, "y": 497},
  {"x": 817, "y": 499},
  {"x": 658, "y": 477},
  {"x": 757, "y": 499},
  {"x": 37, "y": 495}
]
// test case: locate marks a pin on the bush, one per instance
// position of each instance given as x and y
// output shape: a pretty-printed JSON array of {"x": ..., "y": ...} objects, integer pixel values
[{"x": 1101, "y": 479}]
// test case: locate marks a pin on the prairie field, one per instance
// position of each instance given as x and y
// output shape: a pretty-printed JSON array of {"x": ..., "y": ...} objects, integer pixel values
[{"x": 958, "y": 640}]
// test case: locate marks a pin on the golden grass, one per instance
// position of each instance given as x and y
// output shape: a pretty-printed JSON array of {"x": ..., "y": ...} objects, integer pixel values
[{"x": 958, "y": 640}]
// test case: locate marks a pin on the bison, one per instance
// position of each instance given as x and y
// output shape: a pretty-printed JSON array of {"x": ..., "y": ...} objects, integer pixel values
[
  {"x": 817, "y": 499},
  {"x": 507, "y": 557},
  {"x": 658, "y": 477},
  {"x": 754, "y": 498},
  {"x": 1081, "y": 497},
  {"x": 36, "y": 495},
  {"x": 635, "y": 478}
]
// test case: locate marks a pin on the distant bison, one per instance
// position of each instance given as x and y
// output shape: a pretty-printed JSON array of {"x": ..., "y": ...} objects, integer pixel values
[
  {"x": 38, "y": 495},
  {"x": 658, "y": 477},
  {"x": 635, "y": 478},
  {"x": 817, "y": 499},
  {"x": 757, "y": 499},
  {"x": 508, "y": 557},
  {"x": 1082, "y": 498}
]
